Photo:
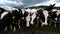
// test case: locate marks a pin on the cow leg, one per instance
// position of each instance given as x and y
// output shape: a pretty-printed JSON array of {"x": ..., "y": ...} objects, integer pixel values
[
  {"x": 14, "y": 26},
  {"x": 5, "y": 29},
  {"x": 33, "y": 17},
  {"x": 48, "y": 21},
  {"x": 55, "y": 22},
  {"x": 19, "y": 24},
  {"x": 38, "y": 22},
  {"x": 14, "y": 29},
  {"x": 27, "y": 19},
  {"x": 10, "y": 26}
]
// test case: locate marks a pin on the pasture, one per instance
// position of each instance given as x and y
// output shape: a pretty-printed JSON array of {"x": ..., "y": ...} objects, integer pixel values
[{"x": 44, "y": 30}]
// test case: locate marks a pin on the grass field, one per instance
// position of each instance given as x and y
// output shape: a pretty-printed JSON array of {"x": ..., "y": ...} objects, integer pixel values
[{"x": 44, "y": 30}]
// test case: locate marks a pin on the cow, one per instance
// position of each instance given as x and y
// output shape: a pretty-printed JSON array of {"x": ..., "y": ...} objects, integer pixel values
[
  {"x": 6, "y": 20},
  {"x": 52, "y": 18},
  {"x": 10, "y": 11},
  {"x": 33, "y": 14},
  {"x": 57, "y": 18},
  {"x": 23, "y": 20},
  {"x": 42, "y": 17},
  {"x": 29, "y": 15}
]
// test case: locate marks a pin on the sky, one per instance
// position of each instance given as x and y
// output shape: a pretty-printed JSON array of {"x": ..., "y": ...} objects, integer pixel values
[{"x": 26, "y": 3}]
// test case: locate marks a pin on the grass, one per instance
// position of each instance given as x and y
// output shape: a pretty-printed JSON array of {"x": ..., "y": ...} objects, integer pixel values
[{"x": 44, "y": 30}]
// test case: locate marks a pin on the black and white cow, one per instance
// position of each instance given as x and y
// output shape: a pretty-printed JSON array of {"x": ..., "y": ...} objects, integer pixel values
[
  {"x": 9, "y": 14},
  {"x": 57, "y": 17},
  {"x": 24, "y": 15},
  {"x": 43, "y": 14},
  {"x": 53, "y": 17},
  {"x": 29, "y": 15},
  {"x": 6, "y": 19},
  {"x": 40, "y": 14}
]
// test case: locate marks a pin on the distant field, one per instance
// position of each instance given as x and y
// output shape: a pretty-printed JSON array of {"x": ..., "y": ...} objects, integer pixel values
[{"x": 42, "y": 7}]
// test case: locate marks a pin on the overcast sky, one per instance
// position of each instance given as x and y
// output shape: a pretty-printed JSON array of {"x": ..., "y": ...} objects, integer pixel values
[{"x": 25, "y": 3}]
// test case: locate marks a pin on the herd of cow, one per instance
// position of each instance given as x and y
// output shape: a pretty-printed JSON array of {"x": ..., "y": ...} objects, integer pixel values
[{"x": 13, "y": 18}]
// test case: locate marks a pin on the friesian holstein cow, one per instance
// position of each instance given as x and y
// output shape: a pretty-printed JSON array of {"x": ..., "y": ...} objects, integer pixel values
[
  {"x": 29, "y": 15},
  {"x": 23, "y": 20},
  {"x": 7, "y": 16},
  {"x": 57, "y": 15},
  {"x": 33, "y": 13},
  {"x": 50, "y": 13},
  {"x": 53, "y": 17},
  {"x": 42, "y": 16},
  {"x": 1, "y": 11},
  {"x": 6, "y": 19}
]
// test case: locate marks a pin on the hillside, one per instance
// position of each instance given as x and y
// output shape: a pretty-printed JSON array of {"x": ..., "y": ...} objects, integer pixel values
[{"x": 42, "y": 7}]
